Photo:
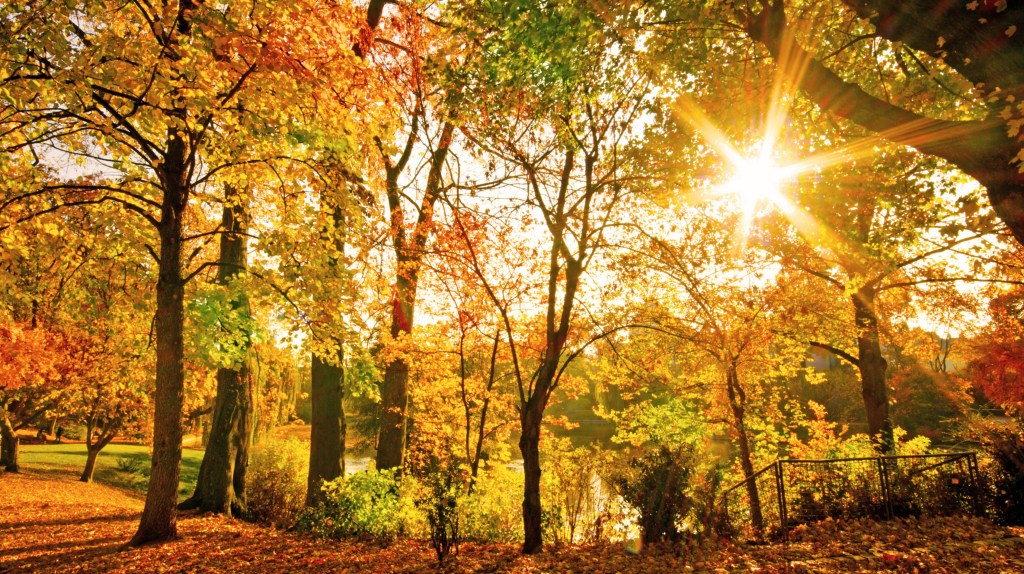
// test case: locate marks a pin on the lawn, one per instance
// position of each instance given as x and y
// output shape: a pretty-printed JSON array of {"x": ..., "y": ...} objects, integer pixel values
[{"x": 120, "y": 465}]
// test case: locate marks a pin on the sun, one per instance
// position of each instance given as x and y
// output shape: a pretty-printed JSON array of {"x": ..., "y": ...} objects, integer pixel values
[{"x": 755, "y": 181}]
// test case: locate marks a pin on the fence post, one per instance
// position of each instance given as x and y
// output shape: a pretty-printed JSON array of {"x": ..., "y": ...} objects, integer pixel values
[
  {"x": 883, "y": 478},
  {"x": 780, "y": 487},
  {"x": 972, "y": 471}
]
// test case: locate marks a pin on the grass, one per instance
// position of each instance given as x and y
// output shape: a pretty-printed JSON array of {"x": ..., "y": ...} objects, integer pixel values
[{"x": 112, "y": 467}]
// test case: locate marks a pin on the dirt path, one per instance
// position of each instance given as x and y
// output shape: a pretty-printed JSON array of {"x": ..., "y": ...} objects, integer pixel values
[{"x": 56, "y": 524}]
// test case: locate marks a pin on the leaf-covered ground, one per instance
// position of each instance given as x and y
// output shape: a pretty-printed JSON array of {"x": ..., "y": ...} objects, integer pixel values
[{"x": 56, "y": 524}]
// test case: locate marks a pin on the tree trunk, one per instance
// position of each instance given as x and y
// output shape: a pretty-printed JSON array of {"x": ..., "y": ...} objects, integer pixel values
[
  {"x": 9, "y": 443},
  {"x": 737, "y": 402},
  {"x": 529, "y": 446},
  {"x": 409, "y": 254},
  {"x": 159, "y": 515},
  {"x": 327, "y": 432},
  {"x": 92, "y": 453},
  {"x": 872, "y": 367},
  {"x": 220, "y": 487},
  {"x": 90, "y": 464},
  {"x": 394, "y": 399}
]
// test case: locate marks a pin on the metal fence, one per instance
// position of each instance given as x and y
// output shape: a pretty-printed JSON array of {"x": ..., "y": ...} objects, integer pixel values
[{"x": 790, "y": 492}]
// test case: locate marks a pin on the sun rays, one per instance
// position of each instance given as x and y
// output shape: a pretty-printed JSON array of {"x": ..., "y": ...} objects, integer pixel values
[{"x": 766, "y": 175}]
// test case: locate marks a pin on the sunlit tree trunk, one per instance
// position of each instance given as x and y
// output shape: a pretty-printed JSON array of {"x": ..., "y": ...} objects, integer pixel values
[
  {"x": 394, "y": 399},
  {"x": 220, "y": 487},
  {"x": 409, "y": 251},
  {"x": 872, "y": 366},
  {"x": 94, "y": 445},
  {"x": 738, "y": 405},
  {"x": 159, "y": 515}
]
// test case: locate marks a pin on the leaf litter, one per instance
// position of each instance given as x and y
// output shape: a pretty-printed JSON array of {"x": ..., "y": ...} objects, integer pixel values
[{"x": 56, "y": 524}]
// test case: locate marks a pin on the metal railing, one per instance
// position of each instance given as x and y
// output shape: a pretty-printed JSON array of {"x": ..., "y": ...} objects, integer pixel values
[{"x": 798, "y": 491}]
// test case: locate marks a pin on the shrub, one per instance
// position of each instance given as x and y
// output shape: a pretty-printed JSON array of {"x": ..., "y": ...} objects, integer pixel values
[
  {"x": 368, "y": 504},
  {"x": 440, "y": 499},
  {"x": 493, "y": 511},
  {"x": 1004, "y": 475},
  {"x": 130, "y": 464},
  {"x": 576, "y": 502},
  {"x": 276, "y": 486},
  {"x": 656, "y": 485}
]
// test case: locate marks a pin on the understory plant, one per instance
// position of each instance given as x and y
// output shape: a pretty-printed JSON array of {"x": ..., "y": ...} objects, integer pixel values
[
  {"x": 656, "y": 483},
  {"x": 369, "y": 504},
  {"x": 492, "y": 511},
  {"x": 276, "y": 485}
]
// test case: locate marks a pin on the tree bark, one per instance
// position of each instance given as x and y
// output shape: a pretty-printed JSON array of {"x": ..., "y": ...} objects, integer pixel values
[
  {"x": 394, "y": 399},
  {"x": 9, "y": 443},
  {"x": 327, "y": 433},
  {"x": 90, "y": 465},
  {"x": 529, "y": 445},
  {"x": 409, "y": 255},
  {"x": 93, "y": 450},
  {"x": 159, "y": 515},
  {"x": 737, "y": 402},
  {"x": 220, "y": 487},
  {"x": 872, "y": 366}
]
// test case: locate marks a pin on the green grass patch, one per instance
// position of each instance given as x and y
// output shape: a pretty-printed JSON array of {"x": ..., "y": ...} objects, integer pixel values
[{"x": 121, "y": 465}]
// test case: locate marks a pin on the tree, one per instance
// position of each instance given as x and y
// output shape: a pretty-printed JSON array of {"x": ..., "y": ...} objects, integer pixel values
[
  {"x": 153, "y": 97},
  {"x": 429, "y": 115},
  {"x": 724, "y": 305},
  {"x": 220, "y": 486},
  {"x": 25, "y": 366},
  {"x": 564, "y": 135},
  {"x": 72, "y": 300},
  {"x": 883, "y": 233},
  {"x": 997, "y": 368},
  {"x": 978, "y": 40}
]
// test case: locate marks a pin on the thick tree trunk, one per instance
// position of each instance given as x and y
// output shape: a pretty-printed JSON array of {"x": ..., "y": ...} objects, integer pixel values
[
  {"x": 9, "y": 443},
  {"x": 159, "y": 515},
  {"x": 394, "y": 393},
  {"x": 529, "y": 445},
  {"x": 327, "y": 432},
  {"x": 872, "y": 366},
  {"x": 220, "y": 487},
  {"x": 737, "y": 402}
]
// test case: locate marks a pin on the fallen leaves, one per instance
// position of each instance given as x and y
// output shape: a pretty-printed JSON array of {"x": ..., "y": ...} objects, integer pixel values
[{"x": 54, "y": 524}]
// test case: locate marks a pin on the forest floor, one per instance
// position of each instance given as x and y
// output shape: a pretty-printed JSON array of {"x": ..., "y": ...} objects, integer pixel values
[{"x": 53, "y": 523}]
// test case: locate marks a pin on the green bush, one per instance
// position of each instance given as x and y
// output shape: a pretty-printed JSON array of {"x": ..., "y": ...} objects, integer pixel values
[
  {"x": 493, "y": 512},
  {"x": 276, "y": 489},
  {"x": 656, "y": 484},
  {"x": 440, "y": 499},
  {"x": 130, "y": 464},
  {"x": 368, "y": 504}
]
